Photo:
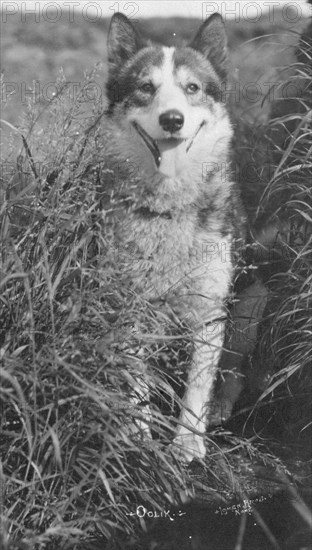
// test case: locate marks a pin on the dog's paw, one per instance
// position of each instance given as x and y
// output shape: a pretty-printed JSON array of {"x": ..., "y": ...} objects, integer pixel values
[{"x": 189, "y": 446}]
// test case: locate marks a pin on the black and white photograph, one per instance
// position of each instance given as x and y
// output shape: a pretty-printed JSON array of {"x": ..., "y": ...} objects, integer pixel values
[{"x": 156, "y": 275}]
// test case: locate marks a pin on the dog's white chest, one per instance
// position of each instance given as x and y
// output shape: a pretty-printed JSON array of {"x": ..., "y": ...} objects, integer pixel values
[{"x": 171, "y": 259}]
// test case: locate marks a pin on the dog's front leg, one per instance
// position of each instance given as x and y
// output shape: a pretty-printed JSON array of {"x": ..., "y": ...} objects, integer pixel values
[{"x": 198, "y": 399}]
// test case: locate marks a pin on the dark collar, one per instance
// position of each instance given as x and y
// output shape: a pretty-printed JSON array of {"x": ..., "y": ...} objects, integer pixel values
[{"x": 147, "y": 213}]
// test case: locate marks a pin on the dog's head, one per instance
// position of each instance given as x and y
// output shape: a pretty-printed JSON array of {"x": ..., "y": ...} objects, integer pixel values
[{"x": 168, "y": 94}]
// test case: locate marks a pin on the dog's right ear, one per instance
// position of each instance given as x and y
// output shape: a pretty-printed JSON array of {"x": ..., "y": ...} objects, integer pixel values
[
  {"x": 211, "y": 41},
  {"x": 123, "y": 40}
]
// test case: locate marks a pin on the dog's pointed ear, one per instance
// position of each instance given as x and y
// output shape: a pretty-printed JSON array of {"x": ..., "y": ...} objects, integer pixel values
[
  {"x": 211, "y": 41},
  {"x": 123, "y": 40}
]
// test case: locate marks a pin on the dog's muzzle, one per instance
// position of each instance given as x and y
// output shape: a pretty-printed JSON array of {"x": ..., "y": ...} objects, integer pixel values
[{"x": 152, "y": 143}]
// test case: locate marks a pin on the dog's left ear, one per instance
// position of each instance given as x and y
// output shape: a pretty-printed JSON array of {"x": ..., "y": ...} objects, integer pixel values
[
  {"x": 211, "y": 41},
  {"x": 123, "y": 40}
]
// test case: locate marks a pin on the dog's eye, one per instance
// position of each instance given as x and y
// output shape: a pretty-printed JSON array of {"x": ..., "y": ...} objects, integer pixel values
[
  {"x": 147, "y": 87},
  {"x": 192, "y": 88}
]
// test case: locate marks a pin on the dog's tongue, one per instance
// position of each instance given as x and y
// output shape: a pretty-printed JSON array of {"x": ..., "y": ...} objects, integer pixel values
[{"x": 172, "y": 155}]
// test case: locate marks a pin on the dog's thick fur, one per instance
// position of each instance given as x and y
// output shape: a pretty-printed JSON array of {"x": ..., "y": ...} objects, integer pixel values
[{"x": 167, "y": 120}]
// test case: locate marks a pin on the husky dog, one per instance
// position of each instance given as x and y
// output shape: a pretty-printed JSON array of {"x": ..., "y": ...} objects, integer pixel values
[{"x": 165, "y": 105}]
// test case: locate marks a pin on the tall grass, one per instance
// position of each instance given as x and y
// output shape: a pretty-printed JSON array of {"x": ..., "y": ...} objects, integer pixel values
[
  {"x": 287, "y": 199},
  {"x": 279, "y": 152},
  {"x": 74, "y": 464}
]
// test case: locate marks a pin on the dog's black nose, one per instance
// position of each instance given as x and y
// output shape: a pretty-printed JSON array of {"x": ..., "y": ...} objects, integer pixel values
[{"x": 171, "y": 121}]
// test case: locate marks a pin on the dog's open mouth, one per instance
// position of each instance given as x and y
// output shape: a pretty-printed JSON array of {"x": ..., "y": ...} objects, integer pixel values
[
  {"x": 168, "y": 153},
  {"x": 150, "y": 143}
]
